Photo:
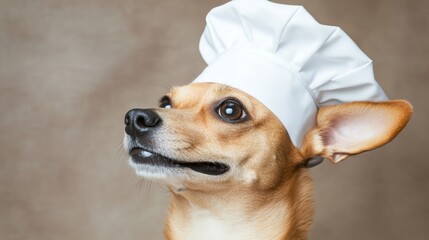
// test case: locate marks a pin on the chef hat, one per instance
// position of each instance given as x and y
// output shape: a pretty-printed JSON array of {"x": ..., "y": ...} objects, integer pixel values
[{"x": 285, "y": 59}]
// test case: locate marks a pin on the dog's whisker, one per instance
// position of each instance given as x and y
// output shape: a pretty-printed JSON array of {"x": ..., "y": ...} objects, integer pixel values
[
  {"x": 120, "y": 153},
  {"x": 148, "y": 189},
  {"x": 138, "y": 184}
]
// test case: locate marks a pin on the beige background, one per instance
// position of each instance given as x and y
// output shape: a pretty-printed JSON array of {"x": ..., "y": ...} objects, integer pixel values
[{"x": 69, "y": 70}]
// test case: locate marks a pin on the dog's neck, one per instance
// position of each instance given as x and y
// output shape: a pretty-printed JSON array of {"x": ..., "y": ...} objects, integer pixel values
[{"x": 283, "y": 212}]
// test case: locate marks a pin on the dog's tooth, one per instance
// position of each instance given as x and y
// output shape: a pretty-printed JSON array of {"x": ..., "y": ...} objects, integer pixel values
[{"x": 146, "y": 154}]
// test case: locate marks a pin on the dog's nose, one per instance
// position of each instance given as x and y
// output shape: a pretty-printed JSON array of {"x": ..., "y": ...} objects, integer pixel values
[{"x": 140, "y": 120}]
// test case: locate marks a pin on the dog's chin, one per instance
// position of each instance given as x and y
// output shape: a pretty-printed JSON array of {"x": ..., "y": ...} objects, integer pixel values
[{"x": 156, "y": 166}]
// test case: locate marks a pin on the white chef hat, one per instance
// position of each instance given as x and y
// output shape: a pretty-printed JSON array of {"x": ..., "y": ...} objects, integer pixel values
[{"x": 284, "y": 58}]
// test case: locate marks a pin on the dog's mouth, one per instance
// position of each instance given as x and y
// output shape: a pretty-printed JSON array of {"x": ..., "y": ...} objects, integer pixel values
[{"x": 142, "y": 156}]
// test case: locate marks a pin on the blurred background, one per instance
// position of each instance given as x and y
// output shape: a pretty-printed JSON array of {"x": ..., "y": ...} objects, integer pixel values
[{"x": 70, "y": 70}]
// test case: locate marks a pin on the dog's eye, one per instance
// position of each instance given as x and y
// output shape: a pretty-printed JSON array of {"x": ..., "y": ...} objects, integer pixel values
[
  {"x": 231, "y": 111},
  {"x": 165, "y": 103}
]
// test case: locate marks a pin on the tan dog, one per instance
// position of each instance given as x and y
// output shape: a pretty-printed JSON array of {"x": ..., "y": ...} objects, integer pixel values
[{"x": 230, "y": 165}]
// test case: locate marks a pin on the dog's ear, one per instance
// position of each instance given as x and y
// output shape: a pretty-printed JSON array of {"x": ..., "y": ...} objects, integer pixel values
[{"x": 351, "y": 128}]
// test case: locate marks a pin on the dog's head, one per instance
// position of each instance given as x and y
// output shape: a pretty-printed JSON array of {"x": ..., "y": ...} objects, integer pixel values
[{"x": 210, "y": 136}]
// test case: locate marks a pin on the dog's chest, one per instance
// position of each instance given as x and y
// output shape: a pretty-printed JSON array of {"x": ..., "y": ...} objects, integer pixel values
[{"x": 204, "y": 225}]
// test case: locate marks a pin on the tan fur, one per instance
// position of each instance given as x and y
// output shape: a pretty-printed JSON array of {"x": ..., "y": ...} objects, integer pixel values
[{"x": 267, "y": 194}]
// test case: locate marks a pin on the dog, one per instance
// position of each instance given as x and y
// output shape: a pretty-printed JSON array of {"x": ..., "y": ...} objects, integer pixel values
[{"x": 230, "y": 165}]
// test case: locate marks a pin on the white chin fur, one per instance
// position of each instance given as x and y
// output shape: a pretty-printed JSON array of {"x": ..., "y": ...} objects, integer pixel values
[{"x": 151, "y": 172}]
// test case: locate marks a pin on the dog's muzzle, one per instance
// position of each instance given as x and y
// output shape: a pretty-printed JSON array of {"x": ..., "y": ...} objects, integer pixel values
[{"x": 140, "y": 125}]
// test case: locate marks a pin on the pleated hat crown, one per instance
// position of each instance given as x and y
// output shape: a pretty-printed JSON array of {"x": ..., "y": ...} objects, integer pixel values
[{"x": 285, "y": 59}]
